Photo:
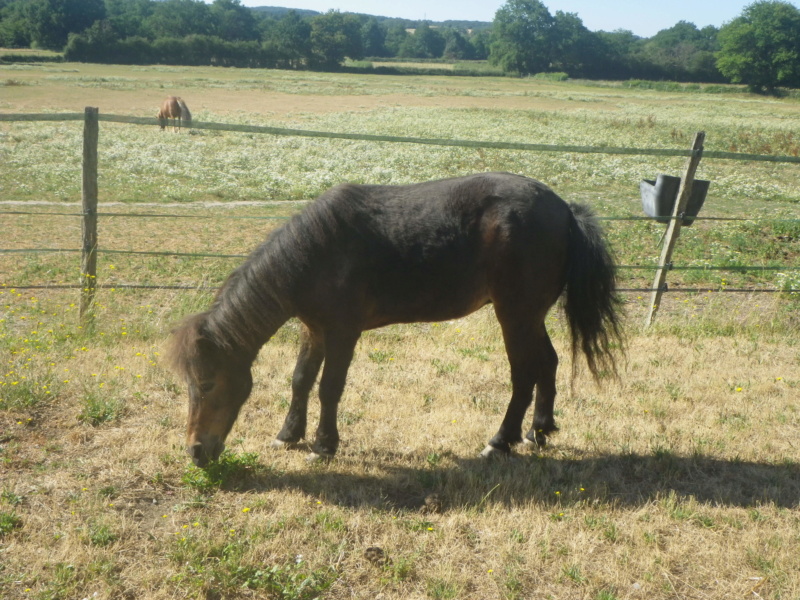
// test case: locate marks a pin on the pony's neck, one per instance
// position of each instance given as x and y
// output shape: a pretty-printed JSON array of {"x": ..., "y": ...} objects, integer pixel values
[{"x": 246, "y": 312}]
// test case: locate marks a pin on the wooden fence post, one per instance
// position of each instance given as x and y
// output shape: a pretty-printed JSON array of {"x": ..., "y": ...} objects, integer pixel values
[
  {"x": 674, "y": 227},
  {"x": 89, "y": 224}
]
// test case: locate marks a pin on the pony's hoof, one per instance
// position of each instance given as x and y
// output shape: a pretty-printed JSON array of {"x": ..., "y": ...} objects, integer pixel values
[
  {"x": 277, "y": 444},
  {"x": 492, "y": 452},
  {"x": 539, "y": 441},
  {"x": 317, "y": 458}
]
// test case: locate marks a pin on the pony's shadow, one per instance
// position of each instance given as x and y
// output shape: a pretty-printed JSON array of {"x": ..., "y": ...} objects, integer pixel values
[{"x": 627, "y": 480}]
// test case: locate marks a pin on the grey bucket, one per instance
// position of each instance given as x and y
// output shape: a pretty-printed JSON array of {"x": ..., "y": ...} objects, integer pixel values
[{"x": 659, "y": 197}]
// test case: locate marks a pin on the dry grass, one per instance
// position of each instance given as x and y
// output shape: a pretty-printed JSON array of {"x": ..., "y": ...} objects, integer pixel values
[{"x": 679, "y": 480}]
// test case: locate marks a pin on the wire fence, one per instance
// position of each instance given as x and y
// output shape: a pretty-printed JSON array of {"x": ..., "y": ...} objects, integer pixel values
[{"x": 275, "y": 131}]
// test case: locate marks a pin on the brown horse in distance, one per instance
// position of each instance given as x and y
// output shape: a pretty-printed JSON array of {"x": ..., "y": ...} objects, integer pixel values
[{"x": 174, "y": 109}]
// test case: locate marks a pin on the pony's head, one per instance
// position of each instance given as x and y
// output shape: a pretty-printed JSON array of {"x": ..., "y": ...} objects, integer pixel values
[
  {"x": 219, "y": 382},
  {"x": 162, "y": 120},
  {"x": 186, "y": 114}
]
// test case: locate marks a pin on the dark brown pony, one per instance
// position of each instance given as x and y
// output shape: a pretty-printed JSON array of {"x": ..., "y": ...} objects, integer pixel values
[
  {"x": 364, "y": 256},
  {"x": 174, "y": 109}
]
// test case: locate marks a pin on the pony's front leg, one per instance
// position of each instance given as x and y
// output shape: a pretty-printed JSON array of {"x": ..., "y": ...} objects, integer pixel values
[
  {"x": 339, "y": 350},
  {"x": 312, "y": 353}
]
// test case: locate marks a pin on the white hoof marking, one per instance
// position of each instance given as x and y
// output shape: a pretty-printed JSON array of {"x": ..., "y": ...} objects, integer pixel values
[
  {"x": 491, "y": 451},
  {"x": 314, "y": 458}
]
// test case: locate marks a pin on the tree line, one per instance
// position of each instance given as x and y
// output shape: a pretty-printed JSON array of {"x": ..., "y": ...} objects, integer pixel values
[{"x": 760, "y": 48}]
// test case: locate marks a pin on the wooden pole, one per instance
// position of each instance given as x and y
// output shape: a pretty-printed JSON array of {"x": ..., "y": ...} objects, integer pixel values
[
  {"x": 674, "y": 227},
  {"x": 89, "y": 225}
]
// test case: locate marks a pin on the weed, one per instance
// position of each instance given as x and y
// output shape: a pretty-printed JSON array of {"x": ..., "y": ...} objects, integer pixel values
[
  {"x": 99, "y": 409},
  {"x": 573, "y": 573},
  {"x": 10, "y": 498},
  {"x": 512, "y": 585},
  {"x": 330, "y": 522},
  {"x": 439, "y": 589},
  {"x": 20, "y": 394},
  {"x": 398, "y": 569},
  {"x": 230, "y": 471},
  {"x": 224, "y": 566},
  {"x": 482, "y": 353},
  {"x": 8, "y": 522},
  {"x": 444, "y": 368},
  {"x": 108, "y": 491},
  {"x": 101, "y": 535},
  {"x": 380, "y": 356}
]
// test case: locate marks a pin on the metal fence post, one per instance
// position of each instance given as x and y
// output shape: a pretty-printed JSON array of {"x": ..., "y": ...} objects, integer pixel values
[
  {"x": 89, "y": 222},
  {"x": 674, "y": 227}
]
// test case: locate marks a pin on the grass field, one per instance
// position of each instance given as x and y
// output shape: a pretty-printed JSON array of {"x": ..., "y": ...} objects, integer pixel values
[{"x": 679, "y": 480}]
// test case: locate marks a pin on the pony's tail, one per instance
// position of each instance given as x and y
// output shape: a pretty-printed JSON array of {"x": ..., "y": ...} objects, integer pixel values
[
  {"x": 591, "y": 303},
  {"x": 186, "y": 114}
]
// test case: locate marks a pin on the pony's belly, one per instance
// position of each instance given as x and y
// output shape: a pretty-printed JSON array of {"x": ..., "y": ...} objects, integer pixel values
[{"x": 426, "y": 309}]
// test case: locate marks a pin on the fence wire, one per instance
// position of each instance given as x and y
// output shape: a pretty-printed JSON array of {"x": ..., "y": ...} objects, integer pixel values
[
  {"x": 483, "y": 144},
  {"x": 278, "y": 131},
  {"x": 212, "y": 288}
]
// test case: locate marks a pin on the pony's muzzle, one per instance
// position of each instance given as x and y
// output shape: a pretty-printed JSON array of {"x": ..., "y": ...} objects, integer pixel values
[{"x": 202, "y": 454}]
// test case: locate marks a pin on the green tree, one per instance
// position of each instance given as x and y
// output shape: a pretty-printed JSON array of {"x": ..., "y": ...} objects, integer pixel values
[
  {"x": 335, "y": 36},
  {"x": 374, "y": 37},
  {"x": 179, "y": 18},
  {"x": 761, "y": 48},
  {"x": 128, "y": 18},
  {"x": 574, "y": 48},
  {"x": 684, "y": 53},
  {"x": 425, "y": 42},
  {"x": 523, "y": 37},
  {"x": 14, "y": 29},
  {"x": 51, "y": 21},
  {"x": 289, "y": 40},
  {"x": 457, "y": 46},
  {"x": 617, "y": 54},
  {"x": 232, "y": 21},
  {"x": 396, "y": 37},
  {"x": 480, "y": 42}
]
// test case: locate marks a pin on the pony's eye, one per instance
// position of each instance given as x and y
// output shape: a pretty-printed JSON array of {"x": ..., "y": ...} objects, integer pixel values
[{"x": 206, "y": 386}]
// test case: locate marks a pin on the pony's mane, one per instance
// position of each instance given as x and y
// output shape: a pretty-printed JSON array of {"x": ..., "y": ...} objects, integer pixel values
[{"x": 256, "y": 298}]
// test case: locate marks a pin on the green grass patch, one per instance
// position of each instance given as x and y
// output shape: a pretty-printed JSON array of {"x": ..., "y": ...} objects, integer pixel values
[
  {"x": 9, "y": 521},
  {"x": 230, "y": 471}
]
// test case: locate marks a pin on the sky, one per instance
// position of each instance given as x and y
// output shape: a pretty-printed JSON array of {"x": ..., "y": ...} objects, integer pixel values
[{"x": 644, "y": 18}]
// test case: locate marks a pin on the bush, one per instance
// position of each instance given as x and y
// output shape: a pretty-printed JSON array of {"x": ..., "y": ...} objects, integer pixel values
[{"x": 551, "y": 76}]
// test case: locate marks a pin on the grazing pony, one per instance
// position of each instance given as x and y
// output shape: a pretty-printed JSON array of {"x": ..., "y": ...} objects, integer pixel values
[
  {"x": 365, "y": 256},
  {"x": 174, "y": 108}
]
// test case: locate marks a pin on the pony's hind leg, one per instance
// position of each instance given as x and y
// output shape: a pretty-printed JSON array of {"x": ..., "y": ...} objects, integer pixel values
[
  {"x": 533, "y": 362},
  {"x": 312, "y": 353},
  {"x": 543, "y": 420}
]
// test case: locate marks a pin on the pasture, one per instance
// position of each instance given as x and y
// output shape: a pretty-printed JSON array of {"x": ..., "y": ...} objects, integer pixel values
[{"x": 680, "y": 479}]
